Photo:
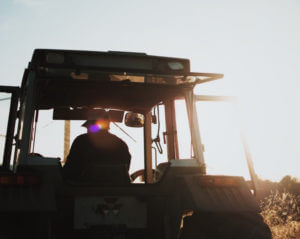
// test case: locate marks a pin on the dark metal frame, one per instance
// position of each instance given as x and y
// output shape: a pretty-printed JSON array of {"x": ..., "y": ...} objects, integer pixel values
[{"x": 15, "y": 94}]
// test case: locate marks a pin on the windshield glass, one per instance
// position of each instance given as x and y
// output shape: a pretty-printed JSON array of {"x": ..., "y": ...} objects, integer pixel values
[
  {"x": 183, "y": 131},
  {"x": 224, "y": 153},
  {"x": 50, "y": 138}
]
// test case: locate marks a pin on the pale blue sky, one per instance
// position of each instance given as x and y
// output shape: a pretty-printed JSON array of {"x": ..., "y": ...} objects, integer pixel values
[{"x": 256, "y": 44}]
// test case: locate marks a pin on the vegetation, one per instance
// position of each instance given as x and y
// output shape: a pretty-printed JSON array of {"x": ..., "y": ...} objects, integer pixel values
[{"x": 281, "y": 208}]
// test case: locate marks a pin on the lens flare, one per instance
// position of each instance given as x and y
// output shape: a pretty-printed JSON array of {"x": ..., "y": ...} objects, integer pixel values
[
  {"x": 94, "y": 128},
  {"x": 103, "y": 124}
]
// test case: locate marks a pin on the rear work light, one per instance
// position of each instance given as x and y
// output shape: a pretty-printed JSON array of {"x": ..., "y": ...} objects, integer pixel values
[{"x": 18, "y": 180}]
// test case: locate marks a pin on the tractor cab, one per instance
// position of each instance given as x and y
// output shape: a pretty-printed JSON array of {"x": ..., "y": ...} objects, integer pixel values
[
  {"x": 151, "y": 106},
  {"x": 136, "y": 87}
]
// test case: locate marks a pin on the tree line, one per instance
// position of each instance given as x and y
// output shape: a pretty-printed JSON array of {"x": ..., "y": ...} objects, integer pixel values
[{"x": 286, "y": 184}]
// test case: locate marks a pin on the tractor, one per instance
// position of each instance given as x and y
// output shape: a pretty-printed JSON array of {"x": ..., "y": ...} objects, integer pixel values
[{"x": 149, "y": 99}]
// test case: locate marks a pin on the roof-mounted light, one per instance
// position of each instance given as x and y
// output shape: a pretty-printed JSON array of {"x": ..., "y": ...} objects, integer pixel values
[{"x": 176, "y": 65}]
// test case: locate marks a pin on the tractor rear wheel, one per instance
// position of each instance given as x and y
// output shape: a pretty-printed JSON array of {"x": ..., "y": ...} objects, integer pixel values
[{"x": 225, "y": 225}]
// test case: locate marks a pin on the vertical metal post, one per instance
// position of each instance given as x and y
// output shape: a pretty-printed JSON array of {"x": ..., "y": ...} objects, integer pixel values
[
  {"x": 28, "y": 108},
  {"x": 171, "y": 130},
  {"x": 194, "y": 128},
  {"x": 66, "y": 140},
  {"x": 252, "y": 173},
  {"x": 10, "y": 129},
  {"x": 148, "y": 148}
]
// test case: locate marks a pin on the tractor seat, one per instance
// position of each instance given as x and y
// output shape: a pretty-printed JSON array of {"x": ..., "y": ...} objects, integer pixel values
[{"x": 105, "y": 174}]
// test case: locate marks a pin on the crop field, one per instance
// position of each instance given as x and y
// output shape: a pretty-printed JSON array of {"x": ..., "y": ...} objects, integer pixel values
[{"x": 281, "y": 211}]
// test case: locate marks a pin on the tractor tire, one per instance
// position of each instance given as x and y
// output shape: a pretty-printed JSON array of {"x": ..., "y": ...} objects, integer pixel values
[{"x": 225, "y": 226}]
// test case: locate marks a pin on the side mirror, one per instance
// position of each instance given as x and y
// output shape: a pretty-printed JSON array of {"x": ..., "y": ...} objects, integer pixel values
[{"x": 134, "y": 120}]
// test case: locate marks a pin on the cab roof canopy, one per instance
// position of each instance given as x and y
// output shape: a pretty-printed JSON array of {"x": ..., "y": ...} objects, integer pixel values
[{"x": 119, "y": 80}]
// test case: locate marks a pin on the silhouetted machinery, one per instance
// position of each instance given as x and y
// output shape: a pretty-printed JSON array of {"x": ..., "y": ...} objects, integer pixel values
[{"x": 176, "y": 198}]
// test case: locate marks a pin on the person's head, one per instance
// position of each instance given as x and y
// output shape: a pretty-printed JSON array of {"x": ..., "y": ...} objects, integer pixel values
[{"x": 94, "y": 126}]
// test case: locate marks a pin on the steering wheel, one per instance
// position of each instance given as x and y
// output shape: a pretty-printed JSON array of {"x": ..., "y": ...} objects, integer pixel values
[{"x": 141, "y": 173}]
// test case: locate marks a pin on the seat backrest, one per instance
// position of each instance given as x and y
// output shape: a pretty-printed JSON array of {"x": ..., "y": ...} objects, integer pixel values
[{"x": 106, "y": 174}]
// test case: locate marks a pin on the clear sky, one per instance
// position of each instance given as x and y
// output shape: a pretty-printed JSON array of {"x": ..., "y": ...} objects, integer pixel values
[{"x": 256, "y": 44}]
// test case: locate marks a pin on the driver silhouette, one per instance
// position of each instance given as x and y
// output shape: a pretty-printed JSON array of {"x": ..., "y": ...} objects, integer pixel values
[{"x": 98, "y": 147}]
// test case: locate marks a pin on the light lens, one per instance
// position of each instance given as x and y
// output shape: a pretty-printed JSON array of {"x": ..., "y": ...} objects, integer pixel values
[{"x": 175, "y": 65}]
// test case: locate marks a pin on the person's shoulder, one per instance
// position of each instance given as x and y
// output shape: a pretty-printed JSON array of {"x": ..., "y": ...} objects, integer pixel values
[
  {"x": 116, "y": 138},
  {"x": 81, "y": 137}
]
